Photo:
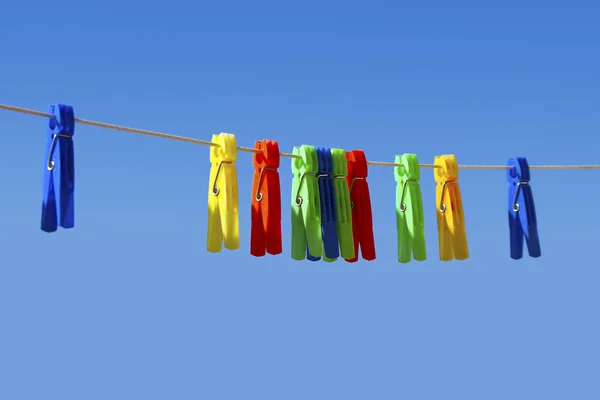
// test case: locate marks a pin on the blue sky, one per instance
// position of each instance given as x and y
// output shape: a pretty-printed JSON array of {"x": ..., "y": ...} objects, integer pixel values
[{"x": 129, "y": 304}]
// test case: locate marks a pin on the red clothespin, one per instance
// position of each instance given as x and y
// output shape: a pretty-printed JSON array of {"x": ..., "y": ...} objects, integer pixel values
[
  {"x": 266, "y": 200},
  {"x": 360, "y": 202}
]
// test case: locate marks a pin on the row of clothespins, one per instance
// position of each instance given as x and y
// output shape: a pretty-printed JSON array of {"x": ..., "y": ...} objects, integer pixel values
[{"x": 330, "y": 207}]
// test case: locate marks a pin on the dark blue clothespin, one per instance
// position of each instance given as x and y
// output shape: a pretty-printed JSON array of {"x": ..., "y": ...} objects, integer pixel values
[
  {"x": 328, "y": 207},
  {"x": 522, "y": 220},
  {"x": 58, "y": 200}
]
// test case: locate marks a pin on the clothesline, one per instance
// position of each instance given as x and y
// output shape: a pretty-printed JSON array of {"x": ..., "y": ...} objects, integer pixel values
[{"x": 252, "y": 150}]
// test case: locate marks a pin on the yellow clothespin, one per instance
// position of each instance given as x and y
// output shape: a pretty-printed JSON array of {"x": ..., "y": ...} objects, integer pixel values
[
  {"x": 452, "y": 234},
  {"x": 223, "y": 219}
]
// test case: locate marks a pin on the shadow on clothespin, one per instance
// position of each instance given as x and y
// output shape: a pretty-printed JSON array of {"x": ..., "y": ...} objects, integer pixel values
[
  {"x": 360, "y": 202},
  {"x": 306, "y": 204},
  {"x": 58, "y": 193},
  {"x": 410, "y": 221},
  {"x": 522, "y": 220},
  {"x": 223, "y": 219},
  {"x": 265, "y": 229},
  {"x": 452, "y": 233}
]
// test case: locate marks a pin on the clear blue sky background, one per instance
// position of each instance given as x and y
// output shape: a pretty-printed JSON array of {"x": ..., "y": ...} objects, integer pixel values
[{"x": 130, "y": 305}]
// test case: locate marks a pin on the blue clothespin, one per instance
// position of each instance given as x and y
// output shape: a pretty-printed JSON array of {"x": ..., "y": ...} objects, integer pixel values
[
  {"x": 58, "y": 200},
  {"x": 522, "y": 220},
  {"x": 328, "y": 207}
]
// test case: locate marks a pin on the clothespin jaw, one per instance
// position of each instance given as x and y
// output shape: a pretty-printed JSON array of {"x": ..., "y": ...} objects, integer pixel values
[
  {"x": 265, "y": 230},
  {"x": 306, "y": 204},
  {"x": 342, "y": 198},
  {"x": 522, "y": 219},
  {"x": 58, "y": 193},
  {"x": 360, "y": 203},
  {"x": 328, "y": 207},
  {"x": 223, "y": 218},
  {"x": 410, "y": 221},
  {"x": 452, "y": 234}
]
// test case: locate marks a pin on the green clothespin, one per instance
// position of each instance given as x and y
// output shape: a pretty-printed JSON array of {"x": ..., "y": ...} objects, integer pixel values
[
  {"x": 342, "y": 200},
  {"x": 409, "y": 209},
  {"x": 306, "y": 204}
]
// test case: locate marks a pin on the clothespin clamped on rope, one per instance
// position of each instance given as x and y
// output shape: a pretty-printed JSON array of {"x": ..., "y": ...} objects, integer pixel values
[
  {"x": 223, "y": 218},
  {"x": 328, "y": 207},
  {"x": 452, "y": 233},
  {"x": 343, "y": 208},
  {"x": 58, "y": 196},
  {"x": 360, "y": 202},
  {"x": 522, "y": 220},
  {"x": 306, "y": 204},
  {"x": 410, "y": 221},
  {"x": 265, "y": 231}
]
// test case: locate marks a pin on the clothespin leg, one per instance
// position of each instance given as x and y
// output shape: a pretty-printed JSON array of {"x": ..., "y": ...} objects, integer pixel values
[
  {"x": 444, "y": 239},
  {"x": 459, "y": 230},
  {"x": 419, "y": 246},
  {"x": 533, "y": 243},
  {"x": 66, "y": 171},
  {"x": 528, "y": 223},
  {"x": 257, "y": 228},
  {"x": 228, "y": 205},
  {"x": 273, "y": 238},
  {"x": 355, "y": 238},
  {"x": 516, "y": 236},
  {"x": 314, "y": 237},
  {"x": 444, "y": 235},
  {"x": 214, "y": 236},
  {"x": 49, "y": 221},
  {"x": 298, "y": 243},
  {"x": 404, "y": 254},
  {"x": 367, "y": 238}
]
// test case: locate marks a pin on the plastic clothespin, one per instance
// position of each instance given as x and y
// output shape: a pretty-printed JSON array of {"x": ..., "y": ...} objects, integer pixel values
[
  {"x": 360, "y": 202},
  {"x": 223, "y": 219},
  {"x": 306, "y": 204},
  {"x": 58, "y": 197},
  {"x": 522, "y": 220},
  {"x": 410, "y": 221},
  {"x": 343, "y": 208},
  {"x": 452, "y": 233},
  {"x": 328, "y": 207},
  {"x": 265, "y": 231}
]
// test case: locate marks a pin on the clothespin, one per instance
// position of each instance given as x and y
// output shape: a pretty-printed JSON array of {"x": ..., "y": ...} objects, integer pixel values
[
  {"x": 265, "y": 231},
  {"x": 452, "y": 234},
  {"x": 360, "y": 202},
  {"x": 306, "y": 204},
  {"x": 328, "y": 207},
  {"x": 58, "y": 197},
  {"x": 342, "y": 197},
  {"x": 223, "y": 219},
  {"x": 410, "y": 221},
  {"x": 522, "y": 220}
]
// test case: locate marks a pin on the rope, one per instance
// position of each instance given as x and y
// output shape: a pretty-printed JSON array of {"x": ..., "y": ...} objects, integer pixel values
[{"x": 252, "y": 150}]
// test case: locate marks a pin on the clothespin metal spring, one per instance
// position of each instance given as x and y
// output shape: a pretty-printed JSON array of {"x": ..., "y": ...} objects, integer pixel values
[
  {"x": 442, "y": 205},
  {"x": 298, "y": 198},
  {"x": 515, "y": 204},
  {"x": 259, "y": 195},
  {"x": 51, "y": 163},
  {"x": 402, "y": 204},
  {"x": 215, "y": 188},
  {"x": 351, "y": 186}
]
